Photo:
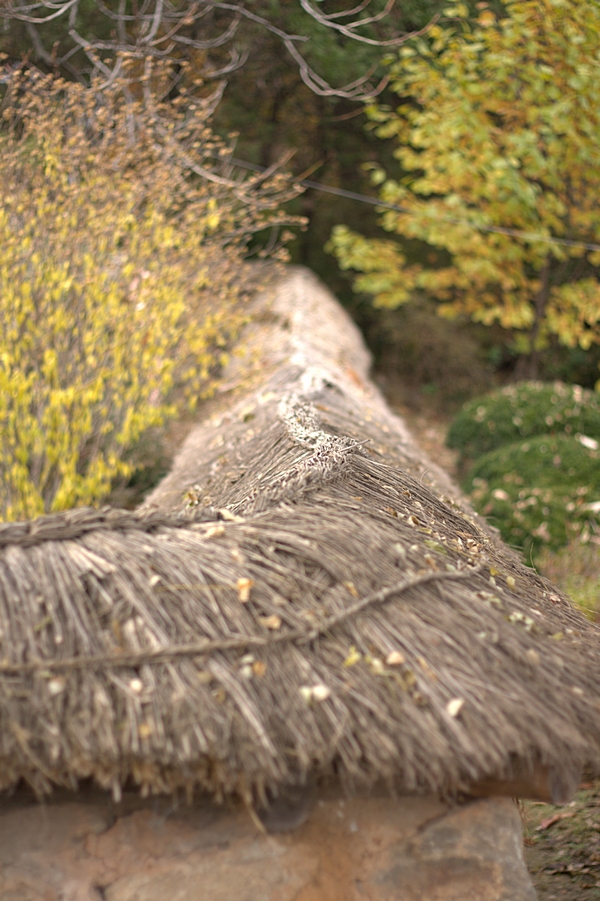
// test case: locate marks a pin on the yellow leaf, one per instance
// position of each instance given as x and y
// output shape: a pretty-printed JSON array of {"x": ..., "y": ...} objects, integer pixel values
[
  {"x": 426, "y": 668},
  {"x": 376, "y": 665},
  {"x": 271, "y": 622},
  {"x": 243, "y": 586},
  {"x": 351, "y": 588},
  {"x": 353, "y": 657}
]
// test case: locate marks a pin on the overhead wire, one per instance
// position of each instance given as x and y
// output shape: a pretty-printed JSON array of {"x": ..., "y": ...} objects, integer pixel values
[{"x": 373, "y": 201}]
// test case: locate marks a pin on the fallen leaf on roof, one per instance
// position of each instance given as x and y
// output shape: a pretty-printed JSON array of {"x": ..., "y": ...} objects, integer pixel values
[
  {"x": 243, "y": 586},
  {"x": 271, "y": 622},
  {"x": 454, "y": 706},
  {"x": 315, "y": 693},
  {"x": 353, "y": 657}
]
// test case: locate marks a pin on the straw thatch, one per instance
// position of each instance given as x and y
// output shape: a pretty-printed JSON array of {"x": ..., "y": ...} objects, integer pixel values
[{"x": 297, "y": 603}]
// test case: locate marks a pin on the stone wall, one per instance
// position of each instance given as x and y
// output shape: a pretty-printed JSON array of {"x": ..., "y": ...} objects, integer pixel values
[{"x": 360, "y": 849}]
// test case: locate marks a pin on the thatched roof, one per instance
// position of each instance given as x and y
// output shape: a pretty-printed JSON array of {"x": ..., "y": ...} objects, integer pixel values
[{"x": 297, "y": 603}]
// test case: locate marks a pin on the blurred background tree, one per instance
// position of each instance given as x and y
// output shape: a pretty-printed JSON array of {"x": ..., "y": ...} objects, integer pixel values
[
  {"x": 497, "y": 140},
  {"x": 289, "y": 86},
  {"x": 294, "y": 89}
]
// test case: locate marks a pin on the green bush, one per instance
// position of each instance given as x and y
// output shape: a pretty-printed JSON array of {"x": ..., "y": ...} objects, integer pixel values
[
  {"x": 540, "y": 492},
  {"x": 523, "y": 411}
]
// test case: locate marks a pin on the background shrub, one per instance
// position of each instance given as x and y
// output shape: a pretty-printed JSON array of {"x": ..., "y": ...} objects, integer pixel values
[
  {"x": 120, "y": 281},
  {"x": 540, "y": 492},
  {"x": 532, "y": 456},
  {"x": 522, "y": 411}
]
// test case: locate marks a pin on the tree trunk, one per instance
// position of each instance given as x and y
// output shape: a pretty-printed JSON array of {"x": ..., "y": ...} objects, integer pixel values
[{"x": 528, "y": 367}]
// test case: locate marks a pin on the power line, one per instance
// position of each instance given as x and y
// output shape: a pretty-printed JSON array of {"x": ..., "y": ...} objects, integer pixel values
[{"x": 364, "y": 198}]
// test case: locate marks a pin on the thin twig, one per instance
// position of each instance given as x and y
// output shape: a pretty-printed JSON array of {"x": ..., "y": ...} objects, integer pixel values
[{"x": 204, "y": 648}]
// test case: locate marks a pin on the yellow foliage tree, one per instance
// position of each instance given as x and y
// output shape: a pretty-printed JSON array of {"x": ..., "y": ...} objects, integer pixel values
[
  {"x": 497, "y": 139},
  {"x": 119, "y": 285}
]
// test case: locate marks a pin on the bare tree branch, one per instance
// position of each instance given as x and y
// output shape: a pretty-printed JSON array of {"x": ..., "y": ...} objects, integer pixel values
[
  {"x": 236, "y": 62},
  {"x": 39, "y": 48},
  {"x": 349, "y": 32},
  {"x": 211, "y": 42},
  {"x": 161, "y": 29},
  {"x": 156, "y": 20},
  {"x": 350, "y": 12},
  {"x": 358, "y": 90},
  {"x": 23, "y": 14}
]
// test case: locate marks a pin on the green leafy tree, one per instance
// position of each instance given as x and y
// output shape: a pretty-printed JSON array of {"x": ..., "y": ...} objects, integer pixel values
[{"x": 497, "y": 139}]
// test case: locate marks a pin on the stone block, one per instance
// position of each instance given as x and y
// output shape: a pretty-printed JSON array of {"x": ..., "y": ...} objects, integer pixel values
[{"x": 367, "y": 848}]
